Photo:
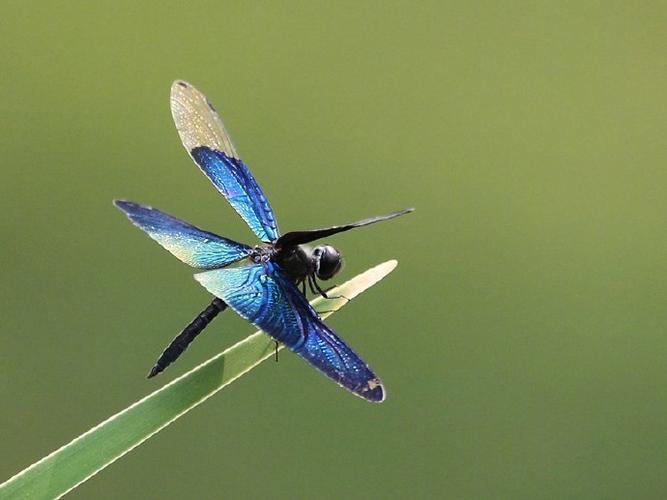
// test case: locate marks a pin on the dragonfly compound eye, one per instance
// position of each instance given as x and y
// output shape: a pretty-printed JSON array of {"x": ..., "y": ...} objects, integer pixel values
[{"x": 328, "y": 262}]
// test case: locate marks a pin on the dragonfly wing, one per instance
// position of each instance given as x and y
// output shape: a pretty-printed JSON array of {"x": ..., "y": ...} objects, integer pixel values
[
  {"x": 188, "y": 243},
  {"x": 300, "y": 237},
  {"x": 210, "y": 146},
  {"x": 262, "y": 294}
]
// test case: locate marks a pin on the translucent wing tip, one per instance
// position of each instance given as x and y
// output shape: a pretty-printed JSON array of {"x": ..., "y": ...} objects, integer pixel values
[
  {"x": 179, "y": 83},
  {"x": 180, "y": 87},
  {"x": 197, "y": 121}
]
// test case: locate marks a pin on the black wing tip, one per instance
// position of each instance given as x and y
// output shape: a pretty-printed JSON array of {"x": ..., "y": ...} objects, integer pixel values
[
  {"x": 374, "y": 392},
  {"x": 154, "y": 371},
  {"x": 125, "y": 204},
  {"x": 402, "y": 212},
  {"x": 392, "y": 215},
  {"x": 131, "y": 208},
  {"x": 387, "y": 216}
]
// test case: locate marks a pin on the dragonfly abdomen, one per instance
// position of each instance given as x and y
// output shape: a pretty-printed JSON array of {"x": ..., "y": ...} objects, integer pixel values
[{"x": 187, "y": 335}]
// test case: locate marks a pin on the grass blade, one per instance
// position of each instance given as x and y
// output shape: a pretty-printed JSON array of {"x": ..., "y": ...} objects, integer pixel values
[{"x": 80, "y": 459}]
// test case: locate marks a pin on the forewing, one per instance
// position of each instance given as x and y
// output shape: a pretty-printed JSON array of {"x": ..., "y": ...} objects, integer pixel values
[
  {"x": 188, "y": 243},
  {"x": 300, "y": 237},
  {"x": 208, "y": 143},
  {"x": 262, "y": 294}
]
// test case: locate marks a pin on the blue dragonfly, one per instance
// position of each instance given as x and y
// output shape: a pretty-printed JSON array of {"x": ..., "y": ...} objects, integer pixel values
[{"x": 264, "y": 288}]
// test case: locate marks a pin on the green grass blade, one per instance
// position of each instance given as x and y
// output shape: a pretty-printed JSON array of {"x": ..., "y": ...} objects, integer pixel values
[{"x": 80, "y": 459}]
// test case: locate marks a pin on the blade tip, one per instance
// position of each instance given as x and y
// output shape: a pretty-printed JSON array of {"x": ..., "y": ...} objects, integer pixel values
[{"x": 383, "y": 269}]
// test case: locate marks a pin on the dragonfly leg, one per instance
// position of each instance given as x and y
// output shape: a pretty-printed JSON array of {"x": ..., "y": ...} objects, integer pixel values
[
  {"x": 314, "y": 288},
  {"x": 323, "y": 293},
  {"x": 277, "y": 344}
]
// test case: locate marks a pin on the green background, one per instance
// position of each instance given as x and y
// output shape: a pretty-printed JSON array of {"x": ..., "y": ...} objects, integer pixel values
[{"x": 522, "y": 337}]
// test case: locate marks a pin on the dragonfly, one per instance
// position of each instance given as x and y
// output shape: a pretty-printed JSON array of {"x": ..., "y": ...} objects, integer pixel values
[{"x": 263, "y": 283}]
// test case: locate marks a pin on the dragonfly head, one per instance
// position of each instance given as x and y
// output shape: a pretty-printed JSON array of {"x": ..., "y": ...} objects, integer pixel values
[{"x": 327, "y": 261}]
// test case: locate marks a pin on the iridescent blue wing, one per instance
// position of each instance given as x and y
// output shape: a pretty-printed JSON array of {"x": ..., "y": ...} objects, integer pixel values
[
  {"x": 262, "y": 294},
  {"x": 191, "y": 245},
  {"x": 208, "y": 143}
]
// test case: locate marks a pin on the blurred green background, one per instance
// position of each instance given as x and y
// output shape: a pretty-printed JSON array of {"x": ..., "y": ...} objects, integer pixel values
[{"x": 522, "y": 337}]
